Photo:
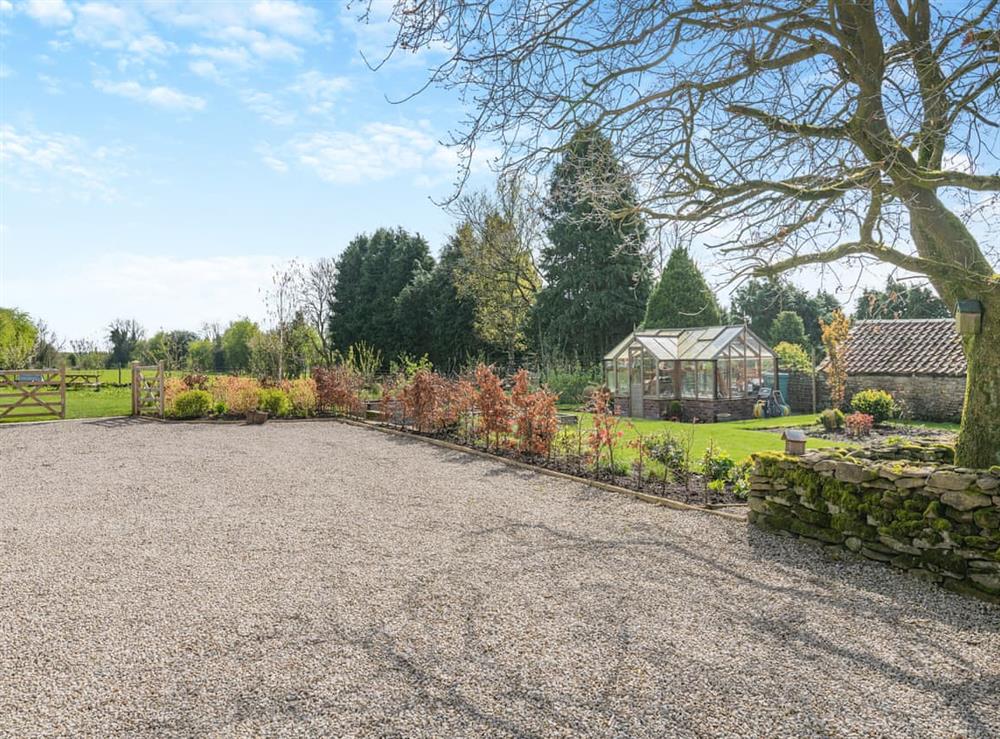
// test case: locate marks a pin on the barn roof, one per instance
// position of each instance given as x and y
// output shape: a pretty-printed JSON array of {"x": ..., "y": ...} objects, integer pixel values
[{"x": 924, "y": 346}]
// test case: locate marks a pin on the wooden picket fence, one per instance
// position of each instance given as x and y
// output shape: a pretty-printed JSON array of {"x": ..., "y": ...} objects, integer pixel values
[
  {"x": 147, "y": 389},
  {"x": 32, "y": 394}
]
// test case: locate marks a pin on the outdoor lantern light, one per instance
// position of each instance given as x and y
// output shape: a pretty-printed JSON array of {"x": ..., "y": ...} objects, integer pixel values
[
  {"x": 795, "y": 441},
  {"x": 969, "y": 317}
]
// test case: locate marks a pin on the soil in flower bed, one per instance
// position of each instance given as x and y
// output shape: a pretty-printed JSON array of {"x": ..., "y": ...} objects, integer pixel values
[{"x": 695, "y": 493}]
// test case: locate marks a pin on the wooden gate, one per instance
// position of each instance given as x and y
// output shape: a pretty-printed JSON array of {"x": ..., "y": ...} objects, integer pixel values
[
  {"x": 32, "y": 394},
  {"x": 147, "y": 389}
]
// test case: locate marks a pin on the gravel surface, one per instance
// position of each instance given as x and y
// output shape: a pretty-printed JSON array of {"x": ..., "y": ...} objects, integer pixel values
[{"x": 320, "y": 579}]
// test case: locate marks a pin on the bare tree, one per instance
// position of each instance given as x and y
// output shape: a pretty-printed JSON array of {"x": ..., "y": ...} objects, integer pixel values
[
  {"x": 316, "y": 285},
  {"x": 281, "y": 301},
  {"x": 810, "y": 131}
]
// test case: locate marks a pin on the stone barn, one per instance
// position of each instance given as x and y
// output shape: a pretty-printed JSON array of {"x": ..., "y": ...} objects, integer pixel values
[{"x": 919, "y": 361}]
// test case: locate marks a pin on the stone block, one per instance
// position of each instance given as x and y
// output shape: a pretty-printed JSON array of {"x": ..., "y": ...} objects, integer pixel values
[
  {"x": 850, "y": 472},
  {"x": 908, "y": 483},
  {"x": 948, "y": 480},
  {"x": 876, "y": 555},
  {"x": 853, "y": 543},
  {"x": 987, "y": 518},
  {"x": 989, "y": 583},
  {"x": 898, "y": 546},
  {"x": 965, "y": 500},
  {"x": 987, "y": 566},
  {"x": 988, "y": 483}
]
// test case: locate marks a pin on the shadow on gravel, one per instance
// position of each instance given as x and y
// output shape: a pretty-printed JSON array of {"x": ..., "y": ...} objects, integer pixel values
[{"x": 120, "y": 422}]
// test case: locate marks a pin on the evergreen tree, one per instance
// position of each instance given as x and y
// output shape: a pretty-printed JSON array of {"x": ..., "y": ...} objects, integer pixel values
[
  {"x": 899, "y": 300},
  {"x": 371, "y": 273},
  {"x": 762, "y": 300},
  {"x": 439, "y": 321},
  {"x": 597, "y": 276},
  {"x": 788, "y": 327},
  {"x": 682, "y": 298}
]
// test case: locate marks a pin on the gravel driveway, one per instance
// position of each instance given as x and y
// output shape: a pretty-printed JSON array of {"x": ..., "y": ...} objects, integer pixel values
[{"x": 321, "y": 579}]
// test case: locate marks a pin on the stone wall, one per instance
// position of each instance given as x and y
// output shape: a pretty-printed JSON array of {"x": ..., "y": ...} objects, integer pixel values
[
  {"x": 799, "y": 397},
  {"x": 936, "y": 521},
  {"x": 922, "y": 397}
]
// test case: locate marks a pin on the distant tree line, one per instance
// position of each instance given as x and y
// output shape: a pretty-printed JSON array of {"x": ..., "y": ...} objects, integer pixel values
[{"x": 544, "y": 279}]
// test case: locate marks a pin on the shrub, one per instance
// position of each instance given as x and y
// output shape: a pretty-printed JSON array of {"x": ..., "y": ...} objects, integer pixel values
[
  {"x": 832, "y": 419},
  {"x": 494, "y": 405},
  {"x": 422, "y": 398},
  {"x": 739, "y": 476},
  {"x": 275, "y": 401},
  {"x": 859, "y": 424},
  {"x": 667, "y": 450},
  {"x": 239, "y": 394},
  {"x": 715, "y": 463},
  {"x": 604, "y": 435},
  {"x": 535, "y": 419},
  {"x": 302, "y": 395},
  {"x": 172, "y": 387},
  {"x": 338, "y": 389},
  {"x": 878, "y": 404},
  {"x": 793, "y": 357},
  {"x": 192, "y": 404},
  {"x": 571, "y": 387},
  {"x": 196, "y": 381}
]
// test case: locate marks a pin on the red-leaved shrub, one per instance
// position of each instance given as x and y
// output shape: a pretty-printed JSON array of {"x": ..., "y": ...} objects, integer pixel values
[
  {"x": 604, "y": 435},
  {"x": 338, "y": 389},
  {"x": 535, "y": 422},
  {"x": 859, "y": 424},
  {"x": 423, "y": 399},
  {"x": 494, "y": 406},
  {"x": 239, "y": 394}
]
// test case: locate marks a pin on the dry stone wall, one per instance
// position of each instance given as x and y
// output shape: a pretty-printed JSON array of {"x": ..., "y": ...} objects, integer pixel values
[{"x": 901, "y": 505}]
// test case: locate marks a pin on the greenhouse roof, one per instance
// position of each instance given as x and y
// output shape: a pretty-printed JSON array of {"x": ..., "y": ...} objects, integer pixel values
[{"x": 685, "y": 344}]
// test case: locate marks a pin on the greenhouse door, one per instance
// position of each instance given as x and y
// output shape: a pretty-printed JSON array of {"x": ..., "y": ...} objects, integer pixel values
[{"x": 635, "y": 383}]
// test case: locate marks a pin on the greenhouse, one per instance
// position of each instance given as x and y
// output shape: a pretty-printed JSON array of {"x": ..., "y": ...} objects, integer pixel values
[{"x": 708, "y": 374}]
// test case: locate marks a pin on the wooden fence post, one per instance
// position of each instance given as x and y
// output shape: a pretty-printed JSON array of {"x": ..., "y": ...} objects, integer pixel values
[
  {"x": 159, "y": 373},
  {"x": 135, "y": 389},
  {"x": 62, "y": 390}
]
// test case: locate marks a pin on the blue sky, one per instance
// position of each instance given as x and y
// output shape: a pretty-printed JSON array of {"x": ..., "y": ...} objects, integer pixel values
[{"x": 159, "y": 157}]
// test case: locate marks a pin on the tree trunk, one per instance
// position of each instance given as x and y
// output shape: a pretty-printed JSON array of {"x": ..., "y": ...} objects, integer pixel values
[
  {"x": 979, "y": 439},
  {"x": 940, "y": 236}
]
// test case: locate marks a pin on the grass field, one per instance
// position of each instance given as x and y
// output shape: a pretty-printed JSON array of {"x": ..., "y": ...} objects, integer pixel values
[{"x": 88, "y": 403}]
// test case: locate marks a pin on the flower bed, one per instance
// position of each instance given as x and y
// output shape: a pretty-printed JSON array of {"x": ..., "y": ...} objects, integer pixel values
[{"x": 480, "y": 412}]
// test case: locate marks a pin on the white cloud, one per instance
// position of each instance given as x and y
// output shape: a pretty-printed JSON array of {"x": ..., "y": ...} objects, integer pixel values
[
  {"x": 378, "y": 151},
  {"x": 266, "y": 47},
  {"x": 285, "y": 17},
  {"x": 236, "y": 56},
  {"x": 49, "y": 12},
  {"x": 267, "y": 107},
  {"x": 5, "y": 72},
  {"x": 50, "y": 84},
  {"x": 320, "y": 90},
  {"x": 162, "y": 291},
  {"x": 6, "y": 6},
  {"x": 150, "y": 45},
  {"x": 159, "y": 96},
  {"x": 108, "y": 25},
  {"x": 270, "y": 160},
  {"x": 206, "y": 69},
  {"x": 58, "y": 163}
]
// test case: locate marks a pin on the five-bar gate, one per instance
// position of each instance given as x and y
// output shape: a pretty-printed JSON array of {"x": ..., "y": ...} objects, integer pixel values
[{"x": 32, "y": 394}]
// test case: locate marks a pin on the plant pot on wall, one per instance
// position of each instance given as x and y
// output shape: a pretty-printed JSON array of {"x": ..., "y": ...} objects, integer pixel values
[{"x": 256, "y": 417}]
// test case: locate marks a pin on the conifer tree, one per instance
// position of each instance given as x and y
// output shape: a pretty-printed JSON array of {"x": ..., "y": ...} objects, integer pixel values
[{"x": 682, "y": 298}]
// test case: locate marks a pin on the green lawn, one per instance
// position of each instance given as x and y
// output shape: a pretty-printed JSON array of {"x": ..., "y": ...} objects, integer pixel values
[
  {"x": 87, "y": 403},
  {"x": 736, "y": 438}
]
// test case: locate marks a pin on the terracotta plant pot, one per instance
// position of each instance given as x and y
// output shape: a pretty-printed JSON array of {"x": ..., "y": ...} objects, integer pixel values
[{"x": 256, "y": 417}]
